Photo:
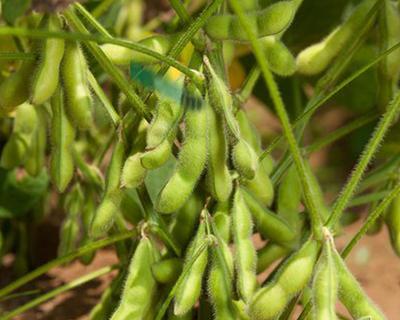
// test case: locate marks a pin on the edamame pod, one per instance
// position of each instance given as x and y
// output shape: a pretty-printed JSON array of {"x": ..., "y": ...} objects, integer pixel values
[
  {"x": 222, "y": 221},
  {"x": 79, "y": 100},
  {"x": 280, "y": 59},
  {"x": 167, "y": 271},
  {"x": 46, "y": 78},
  {"x": 62, "y": 138},
  {"x": 133, "y": 173},
  {"x": 285, "y": 284},
  {"x": 317, "y": 57},
  {"x": 218, "y": 177},
  {"x": 191, "y": 163},
  {"x": 245, "y": 159},
  {"x": 352, "y": 295},
  {"x": 392, "y": 219},
  {"x": 271, "y": 20},
  {"x": 140, "y": 286},
  {"x": 245, "y": 253},
  {"x": 269, "y": 224},
  {"x": 188, "y": 292}
]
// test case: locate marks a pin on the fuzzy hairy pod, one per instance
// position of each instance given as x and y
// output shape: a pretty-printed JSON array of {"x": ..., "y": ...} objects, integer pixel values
[
  {"x": 47, "y": 74},
  {"x": 286, "y": 283},
  {"x": 271, "y": 20},
  {"x": 140, "y": 286},
  {"x": 74, "y": 73},
  {"x": 222, "y": 221},
  {"x": 280, "y": 59},
  {"x": 167, "y": 271},
  {"x": 188, "y": 292},
  {"x": 133, "y": 172},
  {"x": 191, "y": 162}
]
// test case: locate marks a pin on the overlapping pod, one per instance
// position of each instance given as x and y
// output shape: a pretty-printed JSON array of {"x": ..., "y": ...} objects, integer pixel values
[
  {"x": 218, "y": 177},
  {"x": 269, "y": 254},
  {"x": 109, "y": 205},
  {"x": 317, "y": 57},
  {"x": 222, "y": 220},
  {"x": 124, "y": 56},
  {"x": 62, "y": 137},
  {"x": 140, "y": 286},
  {"x": 268, "y": 21},
  {"x": 285, "y": 284},
  {"x": 167, "y": 270},
  {"x": 16, "y": 150},
  {"x": 392, "y": 219},
  {"x": 325, "y": 284},
  {"x": 188, "y": 292},
  {"x": 14, "y": 90},
  {"x": 245, "y": 253},
  {"x": 280, "y": 59},
  {"x": 46, "y": 78},
  {"x": 133, "y": 173},
  {"x": 78, "y": 97},
  {"x": 191, "y": 162},
  {"x": 353, "y": 296}
]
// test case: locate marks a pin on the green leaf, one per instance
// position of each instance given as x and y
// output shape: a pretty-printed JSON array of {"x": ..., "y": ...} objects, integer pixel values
[{"x": 12, "y": 9}]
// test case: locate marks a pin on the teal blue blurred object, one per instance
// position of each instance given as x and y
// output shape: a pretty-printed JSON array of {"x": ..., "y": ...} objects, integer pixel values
[{"x": 164, "y": 87}]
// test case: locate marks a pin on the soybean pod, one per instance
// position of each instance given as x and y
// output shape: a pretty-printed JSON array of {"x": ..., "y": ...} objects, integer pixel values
[
  {"x": 140, "y": 287},
  {"x": 392, "y": 219},
  {"x": 245, "y": 253},
  {"x": 270, "y": 253},
  {"x": 74, "y": 72},
  {"x": 191, "y": 162},
  {"x": 167, "y": 270},
  {"x": 46, "y": 78}
]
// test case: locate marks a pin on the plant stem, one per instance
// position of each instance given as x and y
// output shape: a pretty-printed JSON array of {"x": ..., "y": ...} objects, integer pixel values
[
  {"x": 366, "y": 157},
  {"x": 180, "y": 11},
  {"x": 64, "y": 259},
  {"x": 17, "y": 56},
  {"x": 284, "y": 118}
]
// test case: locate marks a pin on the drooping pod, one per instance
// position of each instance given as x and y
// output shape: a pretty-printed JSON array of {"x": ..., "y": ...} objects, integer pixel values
[
  {"x": 268, "y": 21},
  {"x": 218, "y": 177},
  {"x": 245, "y": 253},
  {"x": 124, "y": 56},
  {"x": 188, "y": 292},
  {"x": 46, "y": 78},
  {"x": 62, "y": 138},
  {"x": 268, "y": 224},
  {"x": 77, "y": 92},
  {"x": 167, "y": 270},
  {"x": 140, "y": 286},
  {"x": 285, "y": 284},
  {"x": 392, "y": 219},
  {"x": 325, "y": 284},
  {"x": 352, "y": 295},
  {"x": 191, "y": 162},
  {"x": 316, "y": 58},
  {"x": 14, "y": 89},
  {"x": 16, "y": 150}
]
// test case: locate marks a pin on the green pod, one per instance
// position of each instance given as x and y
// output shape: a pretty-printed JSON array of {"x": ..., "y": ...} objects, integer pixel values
[
  {"x": 245, "y": 253},
  {"x": 393, "y": 26},
  {"x": 46, "y": 78},
  {"x": 62, "y": 137},
  {"x": 87, "y": 215},
  {"x": 222, "y": 221},
  {"x": 114, "y": 170},
  {"x": 140, "y": 286},
  {"x": 188, "y": 292},
  {"x": 133, "y": 172},
  {"x": 244, "y": 159},
  {"x": 392, "y": 219},
  {"x": 268, "y": 254},
  {"x": 270, "y": 225},
  {"x": 131, "y": 207},
  {"x": 220, "y": 282},
  {"x": 105, "y": 214},
  {"x": 124, "y": 56},
  {"x": 352, "y": 295},
  {"x": 167, "y": 271},
  {"x": 14, "y": 89},
  {"x": 191, "y": 162},
  {"x": 240, "y": 310},
  {"x": 156, "y": 157},
  {"x": 280, "y": 59},
  {"x": 271, "y": 20},
  {"x": 37, "y": 152},
  {"x": 248, "y": 131},
  {"x": 74, "y": 73},
  {"x": 269, "y": 301},
  {"x": 16, "y": 150},
  {"x": 325, "y": 285},
  {"x": 218, "y": 177},
  {"x": 289, "y": 198},
  {"x": 317, "y": 57},
  {"x": 186, "y": 219}
]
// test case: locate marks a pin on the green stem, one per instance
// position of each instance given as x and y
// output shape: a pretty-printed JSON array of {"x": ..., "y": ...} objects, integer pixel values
[
  {"x": 368, "y": 198},
  {"x": 180, "y": 10},
  {"x": 366, "y": 157},
  {"x": 64, "y": 259},
  {"x": 370, "y": 220},
  {"x": 249, "y": 84},
  {"x": 91, "y": 19},
  {"x": 17, "y": 56},
  {"x": 284, "y": 118},
  {"x": 53, "y": 293}
]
